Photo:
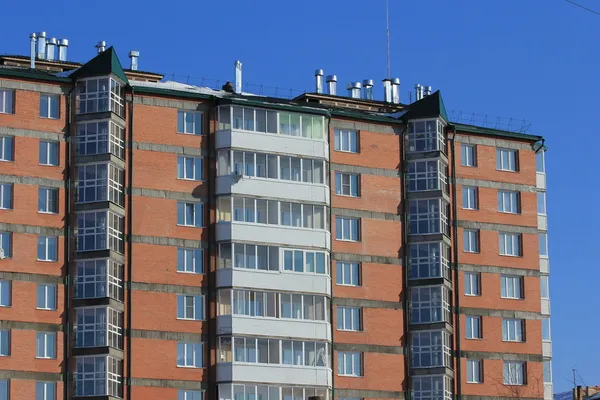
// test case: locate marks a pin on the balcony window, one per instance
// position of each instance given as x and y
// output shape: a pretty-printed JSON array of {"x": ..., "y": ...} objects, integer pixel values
[
  {"x": 541, "y": 203},
  {"x": 546, "y": 329},
  {"x": 429, "y": 260},
  {"x": 98, "y": 376},
  {"x": 543, "y": 244},
  {"x": 189, "y": 122},
  {"x": 427, "y": 175},
  {"x": 346, "y": 141},
  {"x": 540, "y": 161},
  {"x": 430, "y": 349},
  {"x": 6, "y": 196},
  {"x": 429, "y": 304},
  {"x": 544, "y": 287},
  {"x": 426, "y": 136},
  {"x": 230, "y": 391},
  {"x": 304, "y": 261},
  {"x": 7, "y": 148},
  {"x": 100, "y": 95},
  {"x": 432, "y": 387},
  {"x": 100, "y": 137},
  {"x": 428, "y": 216},
  {"x": 49, "y": 105},
  {"x": 99, "y": 230},
  {"x": 7, "y": 98},
  {"x": 98, "y": 327},
  {"x": 99, "y": 278},
  {"x": 100, "y": 182}
]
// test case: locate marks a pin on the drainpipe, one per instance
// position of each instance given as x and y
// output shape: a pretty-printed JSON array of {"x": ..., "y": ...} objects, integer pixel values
[
  {"x": 331, "y": 222},
  {"x": 129, "y": 243},
  {"x": 211, "y": 293},
  {"x": 405, "y": 262}
]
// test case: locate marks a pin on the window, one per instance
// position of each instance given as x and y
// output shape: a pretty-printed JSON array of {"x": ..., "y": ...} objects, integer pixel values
[
  {"x": 190, "y": 307},
  {"x": 510, "y": 287},
  {"x": 429, "y": 304},
  {"x": 513, "y": 330},
  {"x": 5, "y": 343},
  {"x": 514, "y": 373},
  {"x": 432, "y": 387},
  {"x": 428, "y": 216},
  {"x": 348, "y": 318},
  {"x": 426, "y": 175},
  {"x": 190, "y": 168},
  {"x": 472, "y": 284},
  {"x": 190, "y": 214},
  {"x": 49, "y": 105},
  {"x": 272, "y": 212},
  {"x": 429, "y": 260},
  {"x": 7, "y": 148},
  {"x": 347, "y": 273},
  {"x": 100, "y": 230},
  {"x": 474, "y": 330},
  {"x": 46, "y": 296},
  {"x": 469, "y": 198},
  {"x": 190, "y": 260},
  {"x": 543, "y": 244},
  {"x": 426, "y": 136},
  {"x": 5, "y": 293},
  {"x": 47, "y": 248},
  {"x": 508, "y": 202},
  {"x": 45, "y": 345},
  {"x": 6, "y": 244},
  {"x": 100, "y": 182},
  {"x": 99, "y": 278},
  {"x": 48, "y": 153},
  {"x": 7, "y": 101},
  {"x": 510, "y": 244},
  {"x": 45, "y": 391},
  {"x": 6, "y": 196},
  {"x": 301, "y": 306},
  {"x": 349, "y": 363},
  {"x": 506, "y": 160},
  {"x": 3, "y": 389},
  {"x": 93, "y": 96},
  {"x": 430, "y": 349},
  {"x": 189, "y": 122},
  {"x": 474, "y": 373},
  {"x": 189, "y": 395},
  {"x": 546, "y": 329},
  {"x": 99, "y": 326},
  {"x": 189, "y": 355},
  {"x": 471, "y": 241},
  {"x": 540, "y": 161},
  {"x": 293, "y": 260},
  {"x": 468, "y": 155},
  {"x": 48, "y": 200},
  {"x": 346, "y": 228},
  {"x": 544, "y": 287},
  {"x": 547, "y": 371},
  {"x": 541, "y": 203},
  {"x": 100, "y": 137},
  {"x": 346, "y": 184},
  {"x": 98, "y": 376},
  {"x": 346, "y": 141}
]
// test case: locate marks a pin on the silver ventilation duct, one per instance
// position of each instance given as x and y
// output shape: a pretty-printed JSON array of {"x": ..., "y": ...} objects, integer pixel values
[
  {"x": 134, "y": 56},
  {"x": 51, "y": 49},
  {"x": 101, "y": 46},
  {"x": 32, "y": 50},
  {"x": 368, "y": 89},
  {"x": 387, "y": 90},
  {"x": 238, "y": 76},
  {"x": 319, "y": 81},
  {"x": 63, "y": 44},
  {"x": 396, "y": 90},
  {"x": 41, "y": 45},
  {"x": 331, "y": 84},
  {"x": 354, "y": 90}
]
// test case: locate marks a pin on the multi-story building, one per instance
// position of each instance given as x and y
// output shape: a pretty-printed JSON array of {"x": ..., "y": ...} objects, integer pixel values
[{"x": 196, "y": 243}]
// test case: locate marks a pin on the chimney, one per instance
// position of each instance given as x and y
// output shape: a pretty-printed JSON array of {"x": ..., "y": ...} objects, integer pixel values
[
  {"x": 331, "y": 84},
  {"x": 396, "y": 90},
  {"x": 319, "y": 80},
  {"x": 41, "y": 45},
  {"x": 63, "y": 44},
  {"x": 387, "y": 90},
  {"x": 101, "y": 46},
  {"x": 354, "y": 90},
  {"x": 427, "y": 90},
  {"x": 51, "y": 49},
  {"x": 418, "y": 92},
  {"x": 368, "y": 89},
  {"x": 238, "y": 76},
  {"x": 134, "y": 55},
  {"x": 32, "y": 38}
]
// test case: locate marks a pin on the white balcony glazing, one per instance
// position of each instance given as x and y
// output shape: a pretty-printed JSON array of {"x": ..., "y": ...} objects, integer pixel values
[
  {"x": 282, "y": 235},
  {"x": 253, "y": 186},
  {"x": 268, "y": 280},
  {"x": 277, "y": 374}
]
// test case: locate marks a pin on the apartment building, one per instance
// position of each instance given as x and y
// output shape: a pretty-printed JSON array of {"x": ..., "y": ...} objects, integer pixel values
[{"x": 197, "y": 243}]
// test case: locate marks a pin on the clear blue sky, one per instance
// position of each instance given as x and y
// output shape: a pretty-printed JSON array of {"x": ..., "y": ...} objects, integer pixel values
[{"x": 534, "y": 59}]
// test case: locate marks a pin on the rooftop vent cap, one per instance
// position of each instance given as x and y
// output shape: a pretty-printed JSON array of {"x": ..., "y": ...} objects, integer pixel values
[
  {"x": 41, "y": 45},
  {"x": 134, "y": 55},
  {"x": 63, "y": 44},
  {"x": 51, "y": 49},
  {"x": 319, "y": 80},
  {"x": 101, "y": 46},
  {"x": 396, "y": 90},
  {"x": 354, "y": 90},
  {"x": 331, "y": 84},
  {"x": 387, "y": 90},
  {"x": 368, "y": 89}
]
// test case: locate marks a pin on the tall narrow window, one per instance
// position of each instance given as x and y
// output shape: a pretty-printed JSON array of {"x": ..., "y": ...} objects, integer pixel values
[
  {"x": 47, "y": 248},
  {"x": 540, "y": 161},
  {"x": 474, "y": 373},
  {"x": 7, "y": 148},
  {"x": 546, "y": 329},
  {"x": 48, "y": 153},
  {"x": 48, "y": 200},
  {"x": 544, "y": 287},
  {"x": 4, "y": 343},
  {"x": 472, "y": 284},
  {"x": 469, "y": 198},
  {"x": 6, "y": 244},
  {"x": 46, "y": 296},
  {"x": 474, "y": 330},
  {"x": 471, "y": 241},
  {"x": 5, "y": 294},
  {"x": 468, "y": 155},
  {"x": 6, "y": 196},
  {"x": 45, "y": 345},
  {"x": 189, "y": 122},
  {"x": 543, "y": 244},
  {"x": 49, "y": 105},
  {"x": 7, "y": 101},
  {"x": 541, "y": 203}
]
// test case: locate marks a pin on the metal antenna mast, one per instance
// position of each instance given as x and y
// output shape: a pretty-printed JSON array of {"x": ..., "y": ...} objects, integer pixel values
[{"x": 387, "y": 28}]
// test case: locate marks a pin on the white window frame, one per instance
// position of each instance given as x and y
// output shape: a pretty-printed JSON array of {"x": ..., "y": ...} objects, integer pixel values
[
  {"x": 197, "y": 169},
  {"x": 543, "y": 245},
  {"x": 432, "y": 257},
  {"x": 6, "y": 196},
  {"x": 346, "y": 141},
  {"x": 182, "y": 206},
  {"x": 510, "y": 244},
  {"x": 110, "y": 375},
  {"x": 107, "y": 231},
  {"x": 353, "y": 234},
  {"x": 471, "y": 241},
  {"x": 6, "y": 244},
  {"x": 47, "y": 243},
  {"x": 295, "y": 263},
  {"x": 7, "y": 148},
  {"x": 540, "y": 161},
  {"x": 470, "y": 197},
  {"x": 347, "y": 273},
  {"x": 513, "y": 330},
  {"x": 47, "y": 193},
  {"x": 7, "y": 106},
  {"x": 509, "y": 202},
  {"x": 347, "y": 184},
  {"x": 196, "y": 264},
  {"x": 105, "y": 330},
  {"x": 432, "y": 387},
  {"x": 430, "y": 349},
  {"x": 45, "y": 345},
  {"x": 50, "y": 99},
  {"x": 49, "y": 296},
  {"x": 468, "y": 155},
  {"x": 545, "y": 287},
  {"x": 197, "y": 122},
  {"x": 426, "y": 175},
  {"x": 474, "y": 328},
  {"x": 5, "y": 342},
  {"x": 541, "y": 200},
  {"x": 356, "y": 359},
  {"x": 197, "y": 304},
  {"x": 474, "y": 371},
  {"x": 511, "y": 287},
  {"x": 349, "y": 319},
  {"x": 511, "y": 163},
  {"x": 197, "y": 355},
  {"x": 546, "y": 321},
  {"x": 49, "y": 149},
  {"x": 436, "y": 217},
  {"x": 106, "y": 279},
  {"x": 472, "y": 284},
  {"x": 190, "y": 394},
  {"x": 426, "y": 135},
  {"x": 547, "y": 364},
  {"x": 106, "y": 183},
  {"x": 108, "y": 140},
  {"x": 436, "y": 304},
  {"x": 45, "y": 390},
  {"x": 514, "y": 373},
  {"x": 109, "y": 99}
]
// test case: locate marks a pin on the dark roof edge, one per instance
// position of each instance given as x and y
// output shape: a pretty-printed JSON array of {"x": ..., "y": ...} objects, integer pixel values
[
  {"x": 170, "y": 92},
  {"x": 495, "y": 132},
  {"x": 28, "y": 74},
  {"x": 371, "y": 117}
]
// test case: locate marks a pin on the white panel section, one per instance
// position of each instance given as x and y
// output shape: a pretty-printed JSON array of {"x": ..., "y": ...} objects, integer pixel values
[
  {"x": 545, "y": 265},
  {"x": 545, "y": 306},
  {"x": 274, "y": 234},
  {"x": 547, "y": 349},
  {"x": 271, "y": 143},
  {"x": 274, "y": 280},
  {"x": 297, "y": 328},
  {"x": 279, "y": 374},
  {"x": 540, "y": 181},
  {"x": 272, "y": 188},
  {"x": 542, "y": 222},
  {"x": 548, "y": 391}
]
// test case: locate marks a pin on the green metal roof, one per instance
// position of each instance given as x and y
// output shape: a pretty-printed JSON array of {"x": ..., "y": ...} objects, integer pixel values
[
  {"x": 104, "y": 63},
  {"x": 31, "y": 74},
  {"x": 494, "y": 132},
  {"x": 431, "y": 106}
]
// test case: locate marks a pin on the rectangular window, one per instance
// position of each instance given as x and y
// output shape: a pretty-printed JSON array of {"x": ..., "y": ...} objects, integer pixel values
[
  {"x": 48, "y": 153},
  {"x": 346, "y": 141},
  {"x": 429, "y": 304},
  {"x": 426, "y": 175},
  {"x": 3, "y": 389},
  {"x": 428, "y": 216},
  {"x": 472, "y": 284},
  {"x": 346, "y": 184},
  {"x": 474, "y": 372},
  {"x": 429, "y": 260},
  {"x": 100, "y": 182},
  {"x": 347, "y": 228},
  {"x": 100, "y": 95},
  {"x": 45, "y": 345},
  {"x": 100, "y": 230},
  {"x": 6, "y": 196},
  {"x": 190, "y": 261},
  {"x": 510, "y": 244},
  {"x": 190, "y": 307},
  {"x": 348, "y": 318},
  {"x": 547, "y": 371},
  {"x": 513, "y": 330},
  {"x": 469, "y": 198},
  {"x": 347, "y": 273},
  {"x": 511, "y": 287},
  {"x": 5, "y": 294},
  {"x": 98, "y": 376},
  {"x": 46, "y": 296},
  {"x": 5, "y": 245},
  {"x": 190, "y": 214},
  {"x": 506, "y": 160},
  {"x": 48, "y": 200},
  {"x": 292, "y": 260},
  {"x": 99, "y": 278},
  {"x": 189, "y": 355},
  {"x": 508, "y": 202},
  {"x": 474, "y": 330},
  {"x": 543, "y": 244},
  {"x": 546, "y": 329},
  {"x": 430, "y": 349},
  {"x": 190, "y": 168},
  {"x": 100, "y": 137},
  {"x": 7, "y": 148},
  {"x": 514, "y": 373},
  {"x": 49, "y": 105},
  {"x": 432, "y": 387},
  {"x": 47, "y": 249},
  {"x": 189, "y": 122},
  {"x": 468, "y": 155},
  {"x": 540, "y": 161},
  {"x": 5, "y": 343},
  {"x": 45, "y": 391},
  {"x": 541, "y": 203},
  {"x": 7, "y": 98},
  {"x": 350, "y": 363},
  {"x": 99, "y": 326},
  {"x": 471, "y": 241},
  {"x": 544, "y": 287},
  {"x": 426, "y": 136},
  {"x": 191, "y": 395}
]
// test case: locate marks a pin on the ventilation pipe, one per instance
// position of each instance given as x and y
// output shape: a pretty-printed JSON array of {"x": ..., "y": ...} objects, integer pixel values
[
  {"x": 51, "y": 49},
  {"x": 418, "y": 92},
  {"x": 396, "y": 90},
  {"x": 134, "y": 55},
  {"x": 32, "y": 42},
  {"x": 368, "y": 89},
  {"x": 238, "y": 76},
  {"x": 354, "y": 90},
  {"x": 387, "y": 90},
  {"x": 427, "y": 90},
  {"x": 41, "y": 45},
  {"x": 331, "y": 84},
  {"x": 319, "y": 80},
  {"x": 63, "y": 44},
  {"x": 101, "y": 46}
]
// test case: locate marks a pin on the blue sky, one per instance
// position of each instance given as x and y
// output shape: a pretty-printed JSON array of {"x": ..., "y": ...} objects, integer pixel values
[{"x": 532, "y": 59}]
